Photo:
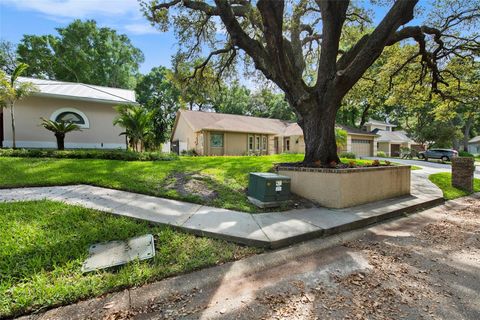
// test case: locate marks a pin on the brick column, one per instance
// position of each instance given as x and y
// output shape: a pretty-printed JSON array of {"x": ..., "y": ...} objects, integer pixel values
[{"x": 462, "y": 173}]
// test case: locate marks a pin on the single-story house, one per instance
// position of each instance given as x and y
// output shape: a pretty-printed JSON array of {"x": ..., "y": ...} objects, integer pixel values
[
  {"x": 474, "y": 145},
  {"x": 89, "y": 106},
  {"x": 210, "y": 133},
  {"x": 390, "y": 141}
]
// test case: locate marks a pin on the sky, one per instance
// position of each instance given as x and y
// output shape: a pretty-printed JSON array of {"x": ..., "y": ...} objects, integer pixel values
[{"x": 19, "y": 17}]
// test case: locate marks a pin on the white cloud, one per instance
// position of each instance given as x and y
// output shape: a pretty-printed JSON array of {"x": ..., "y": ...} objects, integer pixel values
[
  {"x": 78, "y": 8},
  {"x": 140, "y": 28}
]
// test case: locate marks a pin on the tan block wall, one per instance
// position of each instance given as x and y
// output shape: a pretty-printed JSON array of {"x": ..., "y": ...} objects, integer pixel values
[
  {"x": 184, "y": 133},
  {"x": 235, "y": 143},
  {"x": 385, "y": 147},
  {"x": 28, "y": 129},
  {"x": 349, "y": 187}
]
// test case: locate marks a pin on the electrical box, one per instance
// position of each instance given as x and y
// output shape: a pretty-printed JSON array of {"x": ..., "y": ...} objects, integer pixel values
[{"x": 268, "y": 189}]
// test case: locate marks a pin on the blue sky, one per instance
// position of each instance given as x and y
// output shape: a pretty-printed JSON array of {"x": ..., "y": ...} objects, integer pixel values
[{"x": 19, "y": 17}]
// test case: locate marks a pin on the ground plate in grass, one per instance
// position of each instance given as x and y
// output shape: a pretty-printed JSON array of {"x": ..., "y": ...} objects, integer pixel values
[{"x": 116, "y": 253}]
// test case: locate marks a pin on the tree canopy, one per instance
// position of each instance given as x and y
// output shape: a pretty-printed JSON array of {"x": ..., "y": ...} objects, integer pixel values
[
  {"x": 82, "y": 52},
  {"x": 301, "y": 46}
]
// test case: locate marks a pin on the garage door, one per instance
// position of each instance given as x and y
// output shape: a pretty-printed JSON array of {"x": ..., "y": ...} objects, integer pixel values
[{"x": 362, "y": 147}]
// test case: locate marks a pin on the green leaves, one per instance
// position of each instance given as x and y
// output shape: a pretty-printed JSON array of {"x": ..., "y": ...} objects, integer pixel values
[
  {"x": 59, "y": 127},
  {"x": 82, "y": 52}
]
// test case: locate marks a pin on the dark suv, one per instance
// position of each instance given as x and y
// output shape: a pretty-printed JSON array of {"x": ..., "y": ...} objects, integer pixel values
[{"x": 443, "y": 154}]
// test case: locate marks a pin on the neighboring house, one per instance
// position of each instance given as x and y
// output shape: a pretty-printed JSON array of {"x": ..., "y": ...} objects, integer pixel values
[
  {"x": 390, "y": 141},
  {"x": 474, "y": 145},
  {"x": 91, "y": 107},
  {"x": 210, "y": 133}
]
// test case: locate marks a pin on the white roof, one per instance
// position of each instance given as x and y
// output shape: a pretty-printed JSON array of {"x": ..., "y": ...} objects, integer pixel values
[
  {"x": 80, "y": 91},
  {"x": 474, "y": 139},
  {"x": 372, "y": 121}
]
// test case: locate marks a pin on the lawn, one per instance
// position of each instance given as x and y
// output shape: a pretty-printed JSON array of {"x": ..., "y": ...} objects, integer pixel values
[
  {"x": 215, "y": 181},
  {"x": 444, "y": 181},
  {"x": 44, "y": 243}
]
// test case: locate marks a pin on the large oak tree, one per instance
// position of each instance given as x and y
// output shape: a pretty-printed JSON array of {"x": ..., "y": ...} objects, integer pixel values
[{"x": 283, "y": 39}]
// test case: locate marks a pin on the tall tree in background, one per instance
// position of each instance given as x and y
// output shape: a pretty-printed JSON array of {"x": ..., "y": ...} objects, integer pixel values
[
  {"x": 8, "y": 57},
  {"x": 157, "y": 93},
  {"x": 283, "y": 41},
  {"x": 12, "y": 90},
  {"x": 82, "y": 52}
]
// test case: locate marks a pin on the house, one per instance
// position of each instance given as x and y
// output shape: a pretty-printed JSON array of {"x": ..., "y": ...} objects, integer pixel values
[
  {"x": 89, "y": 106},
  {"x": 474, "y": 145},
  {"x": 210, "y": 133},
  {"x": 389, "y": 140}
]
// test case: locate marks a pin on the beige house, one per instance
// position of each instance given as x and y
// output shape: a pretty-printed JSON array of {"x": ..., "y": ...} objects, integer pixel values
[
  {"x": 210, "y": 133},
  {"x": 389, "y": 140},
  {"x": 91, "y": 107}
]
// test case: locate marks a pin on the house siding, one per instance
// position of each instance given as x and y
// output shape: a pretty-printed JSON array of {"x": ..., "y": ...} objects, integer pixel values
[{"x": 30, "y": 134}]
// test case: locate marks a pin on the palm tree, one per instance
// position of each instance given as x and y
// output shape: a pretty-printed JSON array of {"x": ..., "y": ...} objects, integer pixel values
[
  {"x": 60, "y": 129},
  {"x": 340, "y": 137},
  {"x": 136, "y": 120},
  {"x": 12, "y": 91}
]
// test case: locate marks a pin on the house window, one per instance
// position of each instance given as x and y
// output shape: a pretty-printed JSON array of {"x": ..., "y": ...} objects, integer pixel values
[
  {"x": 216, "y": 140},
  {"x": 71, "y": 115},
  {"x": 250, "y": 143},
  {"x": 264, "y": 143},
  {"x": 257, "y": 143}
]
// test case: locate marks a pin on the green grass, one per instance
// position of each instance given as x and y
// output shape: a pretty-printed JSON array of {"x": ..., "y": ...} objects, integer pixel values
[
  {"x": 228, "y": 176},
  {"x": 443, "y": 180},
  {"x": 43, "y": 245}
]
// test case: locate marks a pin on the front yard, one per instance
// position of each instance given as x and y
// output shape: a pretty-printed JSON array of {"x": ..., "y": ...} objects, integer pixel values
[
  {"x": 443, "y": 180},
  {"x": 215, "y": 181},
  {"x": 43, "y": 245}
]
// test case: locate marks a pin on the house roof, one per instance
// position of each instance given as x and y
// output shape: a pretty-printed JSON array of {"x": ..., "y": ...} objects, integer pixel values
[
  {"x": 474, "y": 140},
  {"x": 381, "y": 123},
  {"x": 80, "y": 91},
  {"x": 352, "y": 130},
  {"x": 392, "y": 136},
  {"x": 213, "y": 121}
]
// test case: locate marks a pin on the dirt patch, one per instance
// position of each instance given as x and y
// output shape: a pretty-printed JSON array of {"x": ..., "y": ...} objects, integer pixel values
[{"x": 192, "y": 184}]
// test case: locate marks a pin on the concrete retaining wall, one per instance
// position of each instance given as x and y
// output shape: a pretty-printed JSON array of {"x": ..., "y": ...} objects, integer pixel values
[{"x": 342, "y": 188}]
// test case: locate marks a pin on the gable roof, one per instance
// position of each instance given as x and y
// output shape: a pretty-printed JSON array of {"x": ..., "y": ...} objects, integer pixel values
[
  {"x": 381, "y": 123},
  {"x": 80, "y": 91},
  {"x": 474, "y": 139},
  {"x": 212, "y": 121},
  {"x": 392, "y": 136}
]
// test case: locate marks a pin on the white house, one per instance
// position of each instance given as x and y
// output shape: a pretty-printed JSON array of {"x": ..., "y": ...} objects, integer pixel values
[
  {"x": 474, "y": 145},
  {"x": 89, "y": 106}
]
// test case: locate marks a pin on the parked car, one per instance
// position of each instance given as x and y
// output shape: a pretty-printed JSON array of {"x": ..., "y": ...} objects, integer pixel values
[{"x": 443, "y": 154}]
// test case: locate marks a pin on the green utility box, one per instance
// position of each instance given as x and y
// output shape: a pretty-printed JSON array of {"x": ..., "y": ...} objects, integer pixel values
[{"x": 268, "y": 189}]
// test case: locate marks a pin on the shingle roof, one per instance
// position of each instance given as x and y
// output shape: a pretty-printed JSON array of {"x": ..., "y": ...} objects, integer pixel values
[
  {"x": 212, "y": 121},
  {"x": 392, "y": 136},
  {"x": 80, "y": 91},
  {"x": 373, "y": 121},
  {"x": 474, "y": 139}
]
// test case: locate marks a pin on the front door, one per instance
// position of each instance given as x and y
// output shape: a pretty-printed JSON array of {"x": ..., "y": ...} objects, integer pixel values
[{"x": 275, "y": 145}]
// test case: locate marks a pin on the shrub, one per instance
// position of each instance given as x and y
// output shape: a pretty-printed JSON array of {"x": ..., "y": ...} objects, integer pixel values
[
  {"x": 191, "y": 153},
  {"x": 465, "y": 154},
  {"x": 89, "y": 154},
  {"x": 347, "y": 155},
  {"x": 381, "y": 154}
]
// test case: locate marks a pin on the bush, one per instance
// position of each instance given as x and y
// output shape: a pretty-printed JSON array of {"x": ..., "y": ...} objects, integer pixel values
[
  {"x": 347, "y": 155},
  {"x": 191, "y": 153},
  {"x": 381, "y": 154},
  {"x": 89, "y": 154},
  {"x": 465, "y": 154}
]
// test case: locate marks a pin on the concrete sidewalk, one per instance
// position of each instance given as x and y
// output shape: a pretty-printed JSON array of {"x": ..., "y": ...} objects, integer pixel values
[{"x": 272, "y": 229}]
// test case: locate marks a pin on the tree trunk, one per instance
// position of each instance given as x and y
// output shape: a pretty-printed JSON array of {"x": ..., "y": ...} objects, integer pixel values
[
  {"x": 12, "y": 116},
  {"x": 60, "y": 141},
  {"x": 318, "y": 126}
]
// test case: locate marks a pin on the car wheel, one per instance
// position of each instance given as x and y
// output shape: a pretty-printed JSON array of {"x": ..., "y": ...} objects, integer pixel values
[
  {"x": 421, "y": 156},
  {"x": 445, "y": 158}
]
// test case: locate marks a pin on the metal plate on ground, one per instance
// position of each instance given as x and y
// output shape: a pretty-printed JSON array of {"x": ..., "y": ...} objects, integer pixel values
[{"x": 116, "y": 253}]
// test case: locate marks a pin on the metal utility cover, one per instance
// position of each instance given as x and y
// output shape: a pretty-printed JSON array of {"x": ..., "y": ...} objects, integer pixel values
[{"x": 116, "y": 253}]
